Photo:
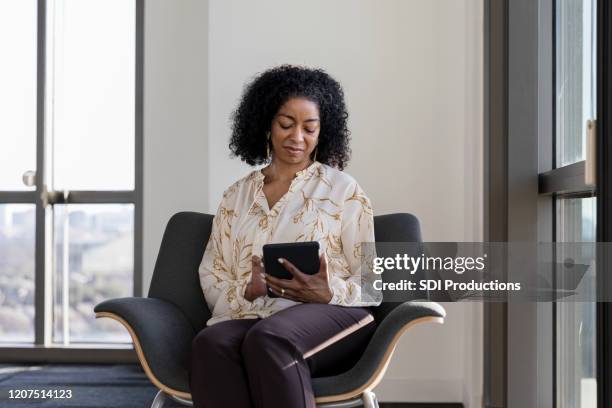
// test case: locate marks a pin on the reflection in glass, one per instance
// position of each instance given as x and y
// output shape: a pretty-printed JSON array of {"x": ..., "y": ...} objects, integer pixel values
[
  {"x": 575, "y": 76},
  {"x": 95, "y": 265},
  {"x": 18, "y": 92},
  {"x": 17, "y": 237},
  {"x": 91, "y": 95},
  {"x": 576, "y": 336}
]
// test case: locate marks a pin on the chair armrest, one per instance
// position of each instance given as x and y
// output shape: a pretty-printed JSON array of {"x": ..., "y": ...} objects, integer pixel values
[
  {"x": 370, "y": 368},
  {"x": 398, "y": 319},
  {"x": 162, "y": 338}
]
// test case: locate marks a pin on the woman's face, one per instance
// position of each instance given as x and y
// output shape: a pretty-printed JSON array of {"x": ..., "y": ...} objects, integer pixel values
[{"x": 295, "y": 131}]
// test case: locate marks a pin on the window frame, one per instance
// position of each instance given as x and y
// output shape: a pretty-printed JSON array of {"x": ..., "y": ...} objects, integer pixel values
[
  {"x": 513, "y": 83},
  {"x": 604, "y": 199},
  {"x": 43, "y": 349}
]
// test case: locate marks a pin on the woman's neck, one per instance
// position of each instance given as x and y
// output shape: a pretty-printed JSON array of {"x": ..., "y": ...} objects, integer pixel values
[{"x": 280, "y": 171}]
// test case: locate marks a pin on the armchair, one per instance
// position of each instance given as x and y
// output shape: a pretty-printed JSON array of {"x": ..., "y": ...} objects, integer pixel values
[{"x": 163, "y": 324}]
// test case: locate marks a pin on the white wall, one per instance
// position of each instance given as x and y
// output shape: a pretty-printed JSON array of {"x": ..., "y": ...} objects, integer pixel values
[
  {"x": 175, "y": 117},
  {"x": 412, "y": 73}
]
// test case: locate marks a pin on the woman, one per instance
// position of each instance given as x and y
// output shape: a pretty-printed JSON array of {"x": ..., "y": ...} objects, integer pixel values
[{"x": 259, "y": 351}]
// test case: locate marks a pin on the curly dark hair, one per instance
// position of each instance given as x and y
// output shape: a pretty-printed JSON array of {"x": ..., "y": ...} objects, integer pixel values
[{"x": 268, "y": 91}]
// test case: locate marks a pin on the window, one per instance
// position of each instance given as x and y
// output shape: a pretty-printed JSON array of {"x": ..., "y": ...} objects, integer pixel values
[
  {"x": 17, "y": 248},
  {"x": 575, "y": 321},
  {"x": 575, "y": 77},
  {"x": 575, "y": 103},
  {"x": 548, "y": 88},
  {"x": 70, "y": 178}
]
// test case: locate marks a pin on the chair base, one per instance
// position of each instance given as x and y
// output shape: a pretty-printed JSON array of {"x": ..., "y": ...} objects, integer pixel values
[
  {"x": 368, "y": 400},
  {"x": 161, "y": 398}
]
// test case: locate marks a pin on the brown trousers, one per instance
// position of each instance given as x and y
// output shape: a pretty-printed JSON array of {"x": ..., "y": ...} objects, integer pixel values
[{"x": 269, "y": 362}]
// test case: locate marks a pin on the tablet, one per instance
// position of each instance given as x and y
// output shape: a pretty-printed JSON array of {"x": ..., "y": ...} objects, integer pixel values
[{"x": 304, "y": 255}]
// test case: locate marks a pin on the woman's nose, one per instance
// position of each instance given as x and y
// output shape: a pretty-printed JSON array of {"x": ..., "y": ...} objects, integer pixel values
[{"x": 297, "y": 134}]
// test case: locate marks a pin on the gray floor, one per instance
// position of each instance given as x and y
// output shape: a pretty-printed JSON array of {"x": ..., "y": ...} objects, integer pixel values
[
  {"x": 92, "y": 386},
  {"x": 97, "y": 386}
]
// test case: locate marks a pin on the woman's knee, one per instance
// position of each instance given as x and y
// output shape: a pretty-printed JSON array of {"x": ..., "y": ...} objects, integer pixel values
[
  {"x": 262, "y": 339},
  {"x": 209, "y": 342}
]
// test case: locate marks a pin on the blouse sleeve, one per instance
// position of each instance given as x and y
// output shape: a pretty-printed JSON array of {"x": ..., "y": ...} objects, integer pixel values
[
  {"x": 221, "y": 288},
  {"x": 357, "y": 228}
]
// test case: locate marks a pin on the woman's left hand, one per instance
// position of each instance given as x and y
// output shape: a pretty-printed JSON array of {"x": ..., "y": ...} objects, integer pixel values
[{"x": 303, "y": 287}]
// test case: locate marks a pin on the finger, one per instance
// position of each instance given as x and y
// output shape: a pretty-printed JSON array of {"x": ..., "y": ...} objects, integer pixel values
[
  {"x": 281, "y": 284},
  {"x": 278, "y": 281},
  {"x": 291, "y": 268},
  {"x": 291, "y": 288},
  {"x": 273, "y": 279},
  {"x": 284, "y": 283},
  {"x": 255, "y": 263},
  {"x": 323, "y": 264},
  {"x": 288, "y": 294},
  {"x": 274, "y": 287}
]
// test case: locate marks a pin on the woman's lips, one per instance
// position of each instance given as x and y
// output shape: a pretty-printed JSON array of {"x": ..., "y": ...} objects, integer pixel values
[{"x": 294, "y": 151}]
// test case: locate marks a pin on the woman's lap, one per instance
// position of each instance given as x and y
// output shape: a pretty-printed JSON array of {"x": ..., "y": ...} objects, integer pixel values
[
  {"x": 269, "y": 362},
  {"x": 309, "y": 327}
]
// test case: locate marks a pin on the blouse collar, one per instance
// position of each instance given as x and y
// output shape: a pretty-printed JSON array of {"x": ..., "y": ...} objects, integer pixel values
[{"x": 307, "y": 172}]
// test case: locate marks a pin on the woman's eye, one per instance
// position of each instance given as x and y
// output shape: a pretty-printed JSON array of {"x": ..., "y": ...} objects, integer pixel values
[
  {"x": 310, "y": 130},
  {"x": 285, "y": 126}
]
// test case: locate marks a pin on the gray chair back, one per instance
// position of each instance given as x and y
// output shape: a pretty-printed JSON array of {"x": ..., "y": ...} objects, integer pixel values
[
  {"x": 175, "y": 277},
  {"x": 176, "y": 280},
  {"x": 397, "y": 228}
]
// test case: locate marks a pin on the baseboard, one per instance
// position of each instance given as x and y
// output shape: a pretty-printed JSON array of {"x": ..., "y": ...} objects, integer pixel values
[
  {"x": 419, "y": 391},
  {"x": 68, "y": 355}
]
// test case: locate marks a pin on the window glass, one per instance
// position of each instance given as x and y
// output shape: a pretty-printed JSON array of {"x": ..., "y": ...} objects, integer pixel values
[
  {"x": 575, "y": 76},
  {"x": 576, "y": 324},
  {"x": 18, "y": 92},
  {"x": 17, "y": 237},
  {"x": 94, "y": 261},
  {"x": 91, "y": 94}
]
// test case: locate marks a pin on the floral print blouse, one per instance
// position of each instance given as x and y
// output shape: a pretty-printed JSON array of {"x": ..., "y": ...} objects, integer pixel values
[{"x": 322, "y": 204}]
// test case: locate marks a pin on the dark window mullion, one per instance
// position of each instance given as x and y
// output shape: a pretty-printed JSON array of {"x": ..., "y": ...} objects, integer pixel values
[
  {"x": 564, "y": 180},
  {"x": 102, "y": 197},
  {"x": 604, "y": 200},
  {"x": 580, "y": 194},
  {"x": 18, "y": 197},
  {"x": 41, "y": 300}
]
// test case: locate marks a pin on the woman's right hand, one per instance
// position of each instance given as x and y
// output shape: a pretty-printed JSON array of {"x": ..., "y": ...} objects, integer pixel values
[{"x": 257, "y": 285}]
